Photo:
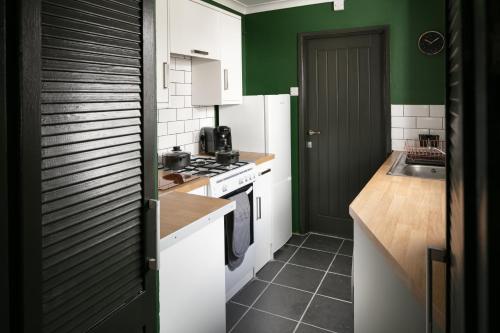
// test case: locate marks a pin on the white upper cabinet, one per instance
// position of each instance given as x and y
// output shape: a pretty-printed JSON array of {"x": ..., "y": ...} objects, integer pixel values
[
  {"x": 194, "y": 29},
  {"x": 231, "y": 59},
  {"x": 162, "y": 51}
]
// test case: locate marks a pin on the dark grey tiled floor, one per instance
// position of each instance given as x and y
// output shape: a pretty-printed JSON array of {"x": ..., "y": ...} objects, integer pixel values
[{"x": 306, "y": 289}]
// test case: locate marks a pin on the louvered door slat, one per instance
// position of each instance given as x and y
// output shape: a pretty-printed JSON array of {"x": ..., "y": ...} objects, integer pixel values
[{"x": 91, "y": 168}]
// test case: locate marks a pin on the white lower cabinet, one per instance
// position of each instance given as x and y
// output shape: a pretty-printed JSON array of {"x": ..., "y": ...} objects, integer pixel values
[
  {"x": 263, "y": 215},
  {"x": 192, "y": 283}
]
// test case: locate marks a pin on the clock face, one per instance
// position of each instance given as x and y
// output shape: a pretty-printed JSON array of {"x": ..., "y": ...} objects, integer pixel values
[{"x": 431, "y": 42}]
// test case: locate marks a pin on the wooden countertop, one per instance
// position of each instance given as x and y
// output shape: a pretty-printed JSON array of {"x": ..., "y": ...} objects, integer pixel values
[
  {"x": 404, "y": 216},
  {"x": 257, "y": 158},
  {"x": 180, "y": 210},
  {"x": 186, "y": 187}
]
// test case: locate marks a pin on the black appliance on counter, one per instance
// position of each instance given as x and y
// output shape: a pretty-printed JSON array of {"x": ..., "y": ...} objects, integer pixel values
[{"x": 213, "y": 139}]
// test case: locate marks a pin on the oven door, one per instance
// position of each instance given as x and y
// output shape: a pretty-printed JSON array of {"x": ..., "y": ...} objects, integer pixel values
[{"x": 229, "y": 218}]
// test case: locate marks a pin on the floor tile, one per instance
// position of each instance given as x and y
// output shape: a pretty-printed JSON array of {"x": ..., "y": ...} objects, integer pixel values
[
  {"x": 285, "y": 252},
  {"x": 312, "y": 258},
  {"x": 342, "y": 265},
  {"x": 296, "y": 239},
  {"x": 304, "y": 328},
  {"x": 284, "y": 301},
  {"x": 269, "y": 271},
  {"x": 300, "y": 277},
  {"x": 233, "y": 313},
  {"x": 259, "y": 322},
  {"x": 330, "y": 314},
  {"x": 337, "y": 286},
  {"x": 248, "y": 294},
  {"x": 346, "y": 248},
  {"x": 323, "y": 243}
]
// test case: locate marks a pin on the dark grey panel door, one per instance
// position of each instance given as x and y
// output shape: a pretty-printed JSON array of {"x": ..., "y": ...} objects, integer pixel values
[
  {"x": 88, "y": 140},
  {"x": 345, "y": 124}
]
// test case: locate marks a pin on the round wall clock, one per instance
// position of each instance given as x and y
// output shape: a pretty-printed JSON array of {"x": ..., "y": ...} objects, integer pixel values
[{"x": 431, "y": 42}]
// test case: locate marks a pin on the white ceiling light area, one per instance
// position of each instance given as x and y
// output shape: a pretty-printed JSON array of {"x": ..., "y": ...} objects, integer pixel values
[{"x": 256, "y": 6}]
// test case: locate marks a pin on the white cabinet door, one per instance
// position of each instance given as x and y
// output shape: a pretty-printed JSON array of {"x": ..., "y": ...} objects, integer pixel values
[
  {"x": 263, "y": 215},
  {"x": 231, "y": 59},
  {"x": 162, "y": 51},
  {"x": 192, "y": 283},
  {"x": 194, "y": 29}
]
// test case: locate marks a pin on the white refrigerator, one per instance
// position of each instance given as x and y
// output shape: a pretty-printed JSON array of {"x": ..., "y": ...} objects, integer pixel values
[{"x": 262, "y": 124}]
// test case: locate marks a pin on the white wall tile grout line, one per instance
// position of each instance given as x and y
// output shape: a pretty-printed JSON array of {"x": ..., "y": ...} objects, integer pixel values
[
  {"x": 264, "y": 290},
  {"x": 317, "y": 289}
]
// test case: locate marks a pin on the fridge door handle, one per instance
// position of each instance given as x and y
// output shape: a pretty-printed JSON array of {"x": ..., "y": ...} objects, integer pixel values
[{"x": 433, "y": 255}]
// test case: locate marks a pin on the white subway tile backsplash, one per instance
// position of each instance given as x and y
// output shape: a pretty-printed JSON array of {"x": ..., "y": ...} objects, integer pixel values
[
  {"x": 408, "y": 121},
  {"x": 404, "y": 122},
  {"x": 178, "y": 122},
  {"x": 437, "y": 111},
  {"x": 166, "y": 142},
  {"x": 398, "y": 144},
  {"x": 412, "y": 133},
  {"x": 431, "y": 123},
  {"x": 441, "y": 133},
  {"x": 185, "y": 113},
  {"x": 182, "y": 64},
  {"x": 396, "y": 110},
  {"x": 210, "y": 111},
  {"x": 196, "y": 136},
  {"x": 177, "y": 102},
  {"x": 175, "y": 127},
  {"x": 193, "y": 148},
  {"x": 162, "y": 129},
  {"x": 184, "y": 138},
  {"x": 200, "y": 112},
  {"x": 416, "y": 111},
  {"x": 182, "y": 89},
  {"x": 397, "y": 133},
  {"x": 192, "y": 125},
  {"x": 165, "y": 115},
  {"x": 207, "y": 122},
  {"x": 177, "y": 76}
]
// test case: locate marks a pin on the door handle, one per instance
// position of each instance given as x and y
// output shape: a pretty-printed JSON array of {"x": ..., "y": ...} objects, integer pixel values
[
  {"x": 437, "y": 255},
  {"x": 311, "y": 132}
]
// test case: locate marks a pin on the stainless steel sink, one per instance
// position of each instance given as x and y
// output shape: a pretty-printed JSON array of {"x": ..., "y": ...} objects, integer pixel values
[{"x": 400, "y": 168}]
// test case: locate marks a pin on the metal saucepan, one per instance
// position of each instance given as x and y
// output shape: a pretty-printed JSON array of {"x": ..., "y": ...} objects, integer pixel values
[
  {"x": 176, "y": 159},
  {"x": 226, "y": 157}
]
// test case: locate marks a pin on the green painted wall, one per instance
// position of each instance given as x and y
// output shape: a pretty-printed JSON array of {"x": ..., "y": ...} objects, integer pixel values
[{"x": 271, "y": 52}]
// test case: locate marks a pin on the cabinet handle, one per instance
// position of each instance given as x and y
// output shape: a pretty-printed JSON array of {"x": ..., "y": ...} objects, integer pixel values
[
  {"x": 166, "y": 72},
  {"x": 199, "y": 52},
  {"x": 259, "y": 208},
  {"x": 226, "y": 79},
  {"x": 438, "y": 255},
  {"x": 264, "y": 172}
]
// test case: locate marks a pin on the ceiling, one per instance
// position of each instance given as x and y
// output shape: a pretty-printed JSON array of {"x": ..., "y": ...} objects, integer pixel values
[{"x": 256, "y": 6}]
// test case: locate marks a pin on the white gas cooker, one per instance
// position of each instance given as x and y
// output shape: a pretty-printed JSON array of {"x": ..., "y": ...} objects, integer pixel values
[{"x": 224, "y": 179}]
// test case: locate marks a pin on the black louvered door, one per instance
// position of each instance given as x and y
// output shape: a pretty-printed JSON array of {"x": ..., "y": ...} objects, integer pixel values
[{"x": 88, "y": 142}]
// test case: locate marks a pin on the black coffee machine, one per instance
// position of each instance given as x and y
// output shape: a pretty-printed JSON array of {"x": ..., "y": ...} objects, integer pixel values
[{"x": 213, "y": 139}]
